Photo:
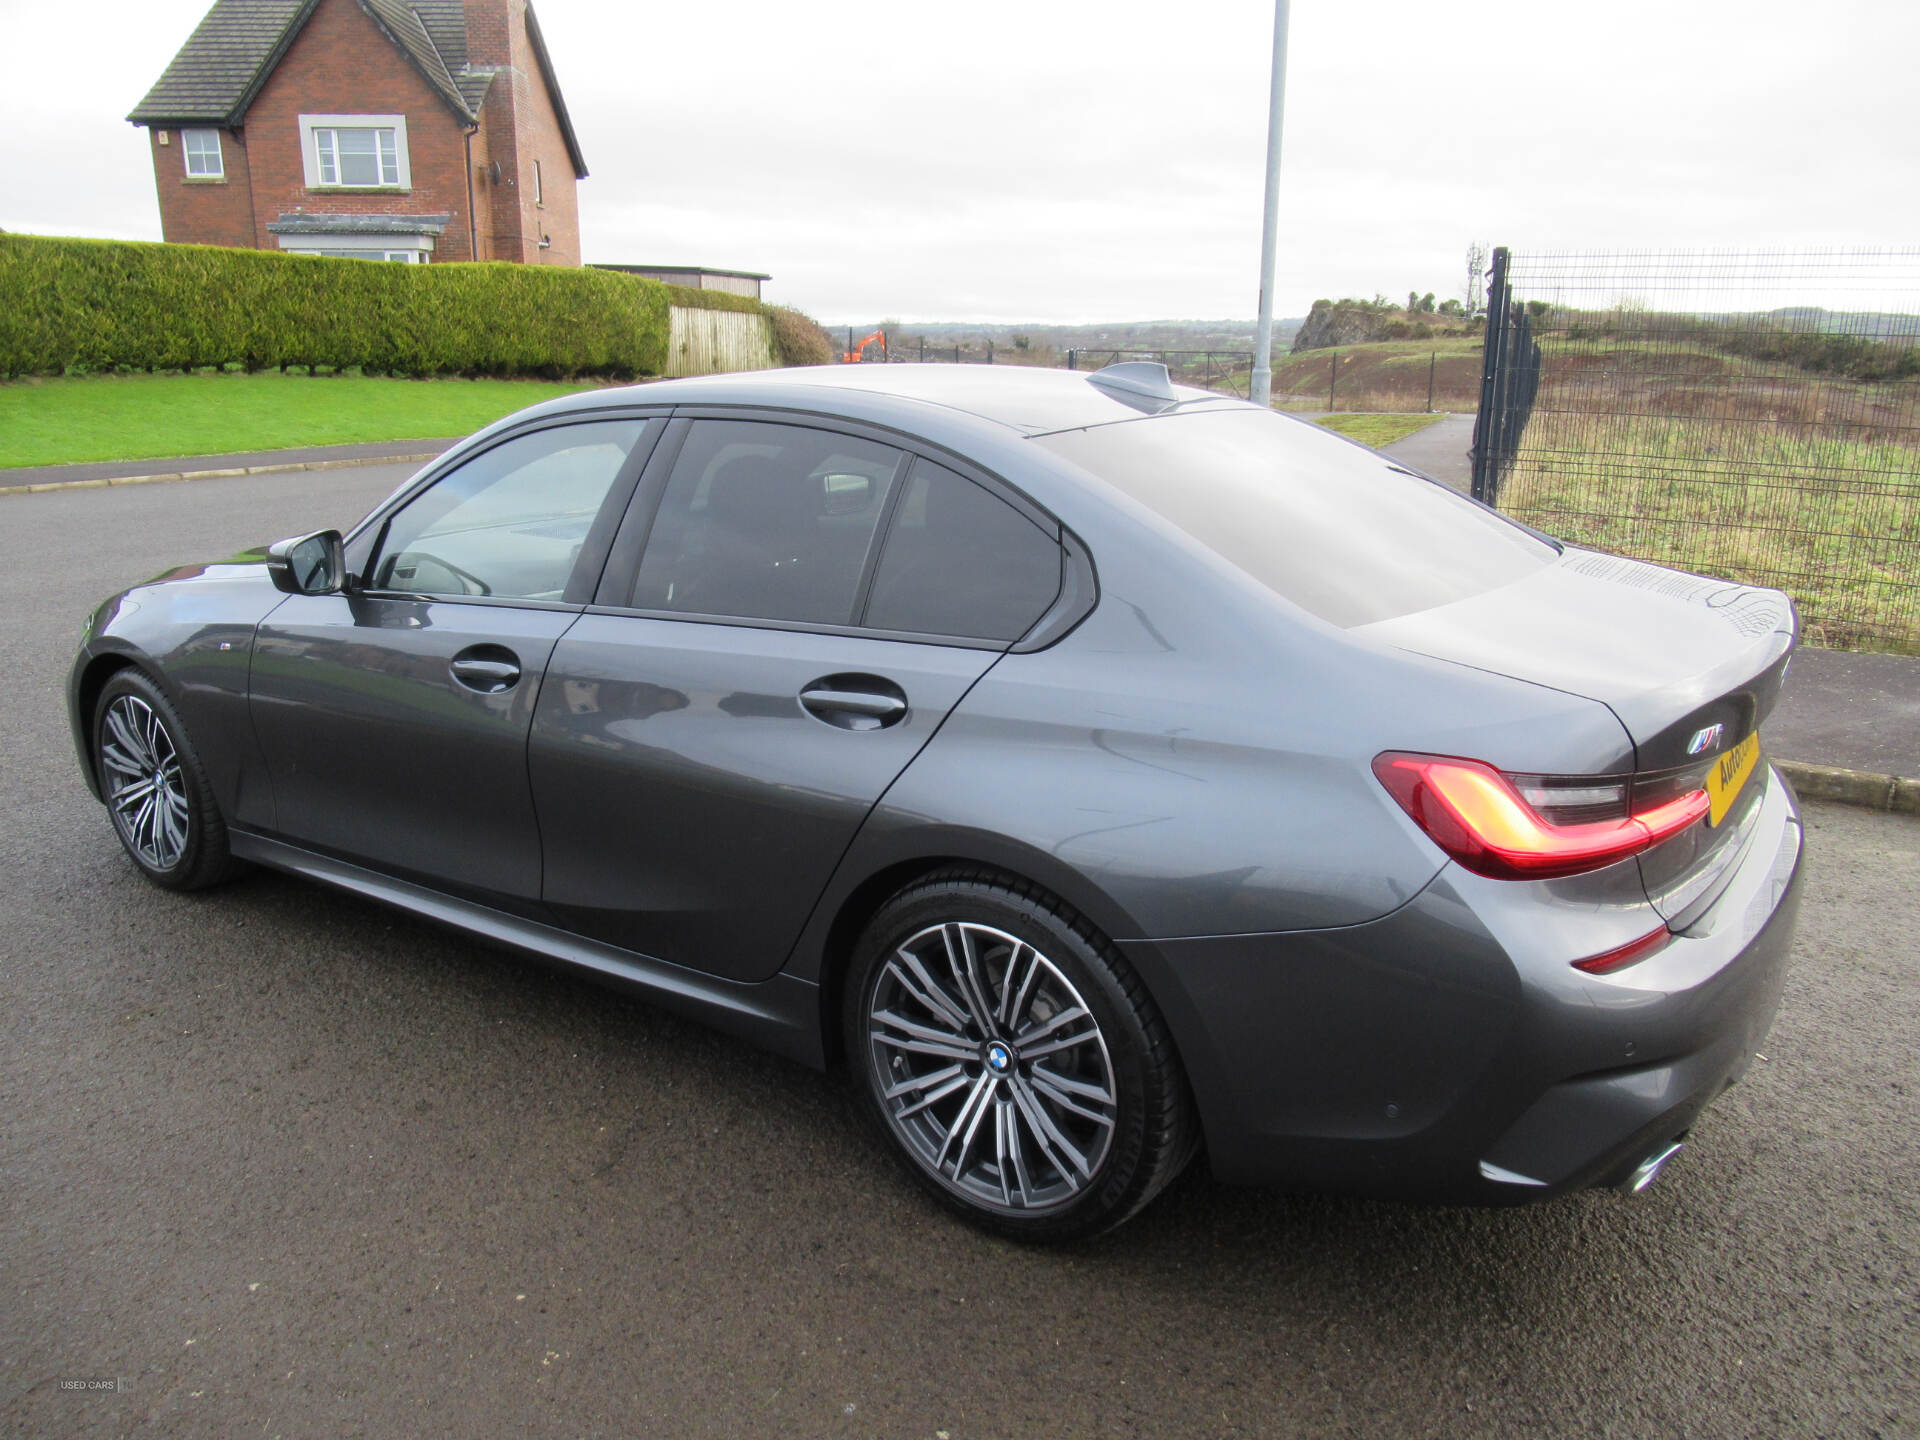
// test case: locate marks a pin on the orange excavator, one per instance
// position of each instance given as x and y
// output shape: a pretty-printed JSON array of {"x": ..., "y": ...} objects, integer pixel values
[{"x": 857, "y": 353}]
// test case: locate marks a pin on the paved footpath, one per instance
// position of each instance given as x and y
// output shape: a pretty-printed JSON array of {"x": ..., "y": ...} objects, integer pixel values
[{"x": 247, "y": 462}]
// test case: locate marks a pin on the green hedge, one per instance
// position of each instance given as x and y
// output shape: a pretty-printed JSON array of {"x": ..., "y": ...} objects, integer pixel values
[{"x": 101, "y": 304}]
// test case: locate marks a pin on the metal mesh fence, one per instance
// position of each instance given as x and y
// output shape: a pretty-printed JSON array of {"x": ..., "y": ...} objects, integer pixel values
[{"x": 1750, "y": 415}]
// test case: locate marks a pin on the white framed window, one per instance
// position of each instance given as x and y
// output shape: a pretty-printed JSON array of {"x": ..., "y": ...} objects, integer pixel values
[
  {"x": 355, "y": 152},
  {"x": 406, "y": 249},
  {"x": 405, "y": 257},
  {"x": 201, "y": 148},
  {"x": 539, "y": 196}
]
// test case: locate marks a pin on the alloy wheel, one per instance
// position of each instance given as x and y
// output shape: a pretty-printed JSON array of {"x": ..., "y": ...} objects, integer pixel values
[
  {"x": 146, "y": 788},
  {"x": 991, "y": 1068}
]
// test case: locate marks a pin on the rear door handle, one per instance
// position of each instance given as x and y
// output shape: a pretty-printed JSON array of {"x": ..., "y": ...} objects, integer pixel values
[
  {"x": 489, "y": 669},
  {"x": 855, "y": 702}
]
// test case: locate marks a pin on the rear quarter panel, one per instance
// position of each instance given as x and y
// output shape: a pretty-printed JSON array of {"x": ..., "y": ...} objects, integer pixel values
[{"x": 1195, "y": 758}]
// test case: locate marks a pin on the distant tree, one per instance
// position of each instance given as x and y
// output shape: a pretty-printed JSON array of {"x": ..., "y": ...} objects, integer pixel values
[
  {"x": 1022, "y": 342},
  {"x": 1451, "y": 307},
  {"x": 1413, "y": 302},
  {"x": 1426, "y": 303}
]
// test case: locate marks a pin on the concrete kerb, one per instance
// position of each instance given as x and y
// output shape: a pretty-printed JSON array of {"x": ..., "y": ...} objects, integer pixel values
[
  {"x": 1895, "y": 794},
  {"x": 102, "y": 483}
]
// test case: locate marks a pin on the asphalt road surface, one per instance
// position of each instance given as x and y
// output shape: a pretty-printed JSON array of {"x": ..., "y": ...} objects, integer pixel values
[{"x": 285, "y": 1163}]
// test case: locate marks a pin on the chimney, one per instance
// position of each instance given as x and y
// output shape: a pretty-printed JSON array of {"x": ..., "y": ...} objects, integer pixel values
[{"x": 490, "y": 27}]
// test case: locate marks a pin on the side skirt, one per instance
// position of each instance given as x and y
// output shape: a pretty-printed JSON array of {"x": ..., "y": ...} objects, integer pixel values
[{"x": 781, "y": 1014}]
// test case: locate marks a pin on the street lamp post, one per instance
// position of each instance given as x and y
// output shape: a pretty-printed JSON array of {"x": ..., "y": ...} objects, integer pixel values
[{"x": 1262, "y": 384}]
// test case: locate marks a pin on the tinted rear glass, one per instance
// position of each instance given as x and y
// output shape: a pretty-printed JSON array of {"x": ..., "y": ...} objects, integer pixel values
[
  {"x": 960, "y": 561},
  {"x": 1334, "y": 528},
  {"x": 766, "y": 522}
]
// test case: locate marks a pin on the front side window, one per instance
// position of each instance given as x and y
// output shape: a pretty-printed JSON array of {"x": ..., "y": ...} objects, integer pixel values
[
  {"x": 961, "y": 561},
  {"x": 509, "y": 523},
  {"x": 202, "y": 151},
  {"x": 767, "y": 522},
  {"x": 357, "y": 157}
]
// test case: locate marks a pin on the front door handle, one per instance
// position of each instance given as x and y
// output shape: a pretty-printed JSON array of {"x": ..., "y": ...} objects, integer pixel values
[
  {"x": 489, "y": 669},
  {"x": 855, "y": 702}
]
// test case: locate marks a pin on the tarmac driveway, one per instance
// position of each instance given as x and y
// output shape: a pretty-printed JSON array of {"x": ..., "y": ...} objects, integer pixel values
[{"x": 286, "y": 1163}]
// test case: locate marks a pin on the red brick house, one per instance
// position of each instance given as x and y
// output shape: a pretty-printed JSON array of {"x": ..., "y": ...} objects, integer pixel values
[{"x": 381, "y": 129}]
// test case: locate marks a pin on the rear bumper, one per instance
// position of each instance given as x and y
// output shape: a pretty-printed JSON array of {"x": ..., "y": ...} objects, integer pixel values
[{"x": 1420, "y": 1057}]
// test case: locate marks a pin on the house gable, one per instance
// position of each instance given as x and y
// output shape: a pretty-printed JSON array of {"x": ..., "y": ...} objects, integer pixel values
[{"x": 472, "y": 130}]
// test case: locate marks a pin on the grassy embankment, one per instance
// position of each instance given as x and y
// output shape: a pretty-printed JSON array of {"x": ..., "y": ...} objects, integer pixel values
[
  {"x": 1812, "y": 486},
  {"x": 1382, "y": 375},
  {"x": 1376, "y": 430},
  {"x": 136, "y": 417}
]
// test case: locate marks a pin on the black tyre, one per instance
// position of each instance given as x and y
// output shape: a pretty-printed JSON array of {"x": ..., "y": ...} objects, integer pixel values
[
  {"x": 1013, "y": 1060},
  {"x": 155, "y": 788}
]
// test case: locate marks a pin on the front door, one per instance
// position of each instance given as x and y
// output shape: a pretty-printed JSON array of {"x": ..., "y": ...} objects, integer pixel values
[{"x": 395, "y": 717}]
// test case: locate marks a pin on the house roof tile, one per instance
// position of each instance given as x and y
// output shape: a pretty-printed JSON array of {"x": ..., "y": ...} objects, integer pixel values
[
  {"x": 229, "y": 56},
  {"x": 224, "y": 62},
  {"x": 407, "y": 29},
  {"x": 309, "y": 222}
]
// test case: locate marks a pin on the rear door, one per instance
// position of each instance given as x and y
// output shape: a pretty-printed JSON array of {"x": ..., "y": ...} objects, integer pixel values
[
  {"x": 394, "y": 718},
  {"x": 790, "y": 613}
]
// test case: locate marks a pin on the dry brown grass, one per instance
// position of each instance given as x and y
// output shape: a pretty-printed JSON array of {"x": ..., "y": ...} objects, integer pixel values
[
  {"x": 1812, "y": 487},
  {"x": 1387, "y": 375}
]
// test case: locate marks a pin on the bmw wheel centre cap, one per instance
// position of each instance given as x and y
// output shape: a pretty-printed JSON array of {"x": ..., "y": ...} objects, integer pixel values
[{"x": 999, "y": 1056}]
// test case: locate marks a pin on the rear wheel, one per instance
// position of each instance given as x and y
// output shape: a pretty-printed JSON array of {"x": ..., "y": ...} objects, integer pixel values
[
  {"x": 1013, "y": 1060},
  {"x": 156, "y": 791}
]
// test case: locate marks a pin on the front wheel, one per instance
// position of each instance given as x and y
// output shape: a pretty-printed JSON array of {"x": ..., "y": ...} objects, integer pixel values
[
  {"x": 1013, "y": 1059},
  {"x": 156, "y": 791}
]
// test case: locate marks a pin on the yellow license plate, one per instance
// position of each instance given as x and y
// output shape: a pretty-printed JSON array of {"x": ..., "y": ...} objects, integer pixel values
[{"x": 1728, "y": 774}]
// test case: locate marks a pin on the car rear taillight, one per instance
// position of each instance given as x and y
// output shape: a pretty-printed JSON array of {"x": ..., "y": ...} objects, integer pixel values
[{"x": 1527, "y": 830}]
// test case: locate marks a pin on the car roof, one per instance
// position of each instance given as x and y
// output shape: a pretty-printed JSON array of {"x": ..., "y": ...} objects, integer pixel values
[{"x": 1024, "y": 398}]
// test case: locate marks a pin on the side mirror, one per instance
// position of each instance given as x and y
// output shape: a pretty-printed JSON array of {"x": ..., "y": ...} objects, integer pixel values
[{"x": 308, "y": 565}]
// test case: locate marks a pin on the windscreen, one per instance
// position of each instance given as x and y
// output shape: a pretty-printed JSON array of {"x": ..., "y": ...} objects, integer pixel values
[{"x": 1333, "y": 527}]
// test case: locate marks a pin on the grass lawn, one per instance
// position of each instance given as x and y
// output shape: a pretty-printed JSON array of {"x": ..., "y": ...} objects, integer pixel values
[
  {"x": 140, "y": 417},
  {"x": 1376, "y": 430}
]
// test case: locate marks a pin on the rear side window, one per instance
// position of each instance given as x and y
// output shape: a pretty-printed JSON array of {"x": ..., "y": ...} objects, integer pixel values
[
  {"x": 961, "y": 561},
  {"x": 766, "y": 522},
  {"x": 509, "y": 523},
  {"x": 1336, "y": 529}
]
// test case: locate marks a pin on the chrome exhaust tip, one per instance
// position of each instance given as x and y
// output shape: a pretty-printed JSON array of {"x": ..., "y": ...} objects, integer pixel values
[{"x": 1648, "y": 1170}]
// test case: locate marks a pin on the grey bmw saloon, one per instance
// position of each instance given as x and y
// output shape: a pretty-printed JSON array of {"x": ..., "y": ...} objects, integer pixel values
[{"x": 1099, "y": 771}]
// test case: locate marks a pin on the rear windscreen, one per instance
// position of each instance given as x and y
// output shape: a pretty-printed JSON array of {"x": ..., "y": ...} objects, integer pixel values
[{"x": 1335, "y": 528}]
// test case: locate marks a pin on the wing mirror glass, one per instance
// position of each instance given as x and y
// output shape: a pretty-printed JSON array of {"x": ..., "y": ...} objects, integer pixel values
[{"x": 309, "y": 565}]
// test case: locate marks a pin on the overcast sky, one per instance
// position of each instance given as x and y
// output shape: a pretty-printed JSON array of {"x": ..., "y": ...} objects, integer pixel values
[{"x": 1046, "y": 160}]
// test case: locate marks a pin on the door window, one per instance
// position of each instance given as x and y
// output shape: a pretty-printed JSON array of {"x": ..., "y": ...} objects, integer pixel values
[
  {"x": 961, "y": 561},
  {"x": 510, "y": 523},
  {"x": 766, "y": 522}
]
